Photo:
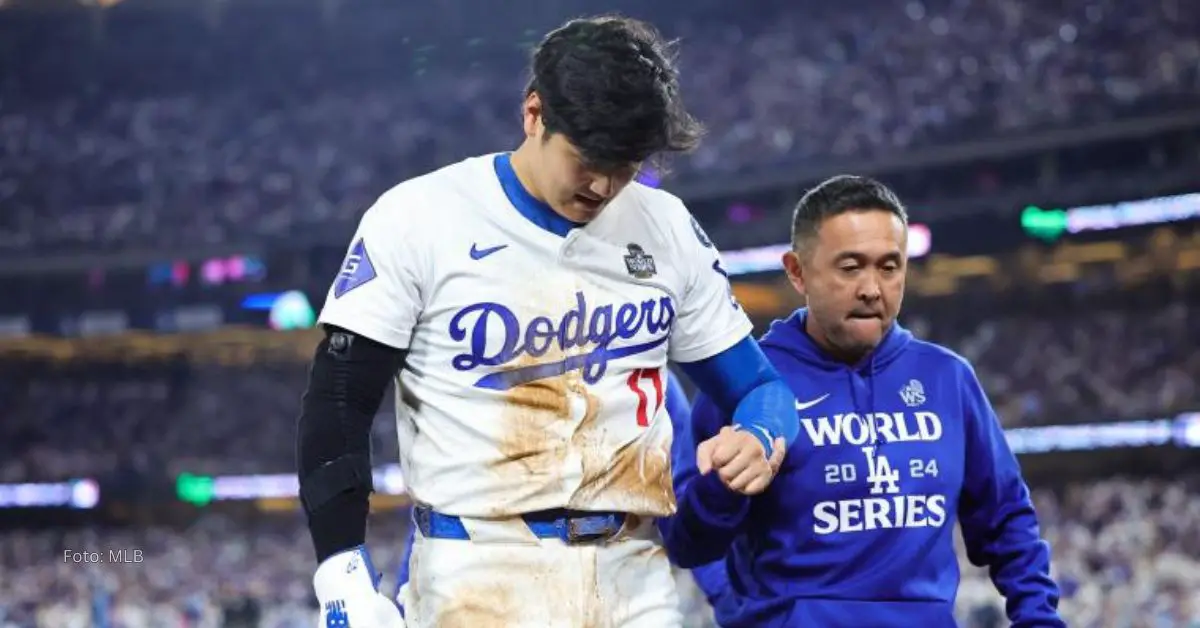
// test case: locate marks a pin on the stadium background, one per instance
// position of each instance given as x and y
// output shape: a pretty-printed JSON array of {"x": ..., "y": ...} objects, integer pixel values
[{"x": 178, "y": 181}]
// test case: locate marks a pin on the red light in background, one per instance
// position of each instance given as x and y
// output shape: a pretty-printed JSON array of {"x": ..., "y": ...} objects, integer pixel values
[{"x": 180, "y": 272}]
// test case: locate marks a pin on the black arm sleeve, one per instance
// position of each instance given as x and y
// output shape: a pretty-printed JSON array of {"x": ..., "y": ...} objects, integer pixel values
[{"x": 346, "y": 384}]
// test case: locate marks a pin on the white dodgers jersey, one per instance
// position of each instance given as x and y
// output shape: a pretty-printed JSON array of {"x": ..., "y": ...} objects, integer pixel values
[{"x": 536, "y": 363}]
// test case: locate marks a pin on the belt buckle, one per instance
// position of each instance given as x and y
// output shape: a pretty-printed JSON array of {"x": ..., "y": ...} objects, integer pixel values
[
  {"x": 423, "y": 518},
  {"x": 589, "y": 529}
]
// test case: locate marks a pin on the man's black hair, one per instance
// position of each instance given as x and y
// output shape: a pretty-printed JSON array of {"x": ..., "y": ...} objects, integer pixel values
[
  {"x": 839, "y": 195},
  {"x": 609, "y": 85}
]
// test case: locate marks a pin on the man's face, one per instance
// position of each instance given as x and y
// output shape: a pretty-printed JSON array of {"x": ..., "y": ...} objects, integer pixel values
[
  {"x": 565, "y": 180},
  {"x": 852, "y": 274}
]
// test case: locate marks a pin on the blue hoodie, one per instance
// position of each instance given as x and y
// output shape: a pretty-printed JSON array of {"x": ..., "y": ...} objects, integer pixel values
[{"x": 857, "y": 530}]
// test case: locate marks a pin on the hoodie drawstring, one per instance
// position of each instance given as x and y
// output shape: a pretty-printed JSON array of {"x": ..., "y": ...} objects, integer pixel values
[
  {"x": 871, "y": 383},
  {"x": 864, "y": 417}
]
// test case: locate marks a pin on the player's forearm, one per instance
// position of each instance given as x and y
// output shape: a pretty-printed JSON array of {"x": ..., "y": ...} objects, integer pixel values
[
  {"x": 769, "y": 411},
  {"x": 346, "y": 384},
  {"x": 742, "y": 382},
  {"x": 707, "y": 519}
]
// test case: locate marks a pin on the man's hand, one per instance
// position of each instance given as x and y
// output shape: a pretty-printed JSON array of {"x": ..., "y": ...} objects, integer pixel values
[
  {"x": 738, "y": 457},
  {"x": 346, "y": 590}
]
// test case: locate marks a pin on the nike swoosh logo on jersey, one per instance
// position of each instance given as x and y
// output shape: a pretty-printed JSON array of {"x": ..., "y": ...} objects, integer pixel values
[
  {"x": 478, "y": 253},
  {"x": 804, "y": 405}
]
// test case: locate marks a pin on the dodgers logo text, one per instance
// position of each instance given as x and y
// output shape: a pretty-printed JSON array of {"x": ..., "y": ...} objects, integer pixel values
[{"x": 581, "y": 326}]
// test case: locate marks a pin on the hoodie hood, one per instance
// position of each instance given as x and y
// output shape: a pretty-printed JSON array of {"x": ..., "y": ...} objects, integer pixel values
[{"x": 789, "y": 336}]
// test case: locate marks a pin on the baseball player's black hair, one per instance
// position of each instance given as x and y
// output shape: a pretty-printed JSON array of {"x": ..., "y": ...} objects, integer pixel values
[
  {"x": 839, "y": 195},
  {"x": 609, "y": 85}
]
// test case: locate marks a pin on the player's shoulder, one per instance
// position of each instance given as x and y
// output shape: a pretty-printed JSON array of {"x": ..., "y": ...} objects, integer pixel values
[
  {"x": 664, "y": 212},
  {"x": 656, "y": 205},
  {"x": 426, "y": 200}
]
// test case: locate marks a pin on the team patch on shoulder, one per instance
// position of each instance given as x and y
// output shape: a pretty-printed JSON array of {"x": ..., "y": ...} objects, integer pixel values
[
  {"x": 700, "y": 235},
  {"x": 356, "y": 270}
]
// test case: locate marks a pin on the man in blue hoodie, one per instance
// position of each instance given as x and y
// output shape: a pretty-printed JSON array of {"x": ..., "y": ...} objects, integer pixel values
[{"x": 898, "y": 444}]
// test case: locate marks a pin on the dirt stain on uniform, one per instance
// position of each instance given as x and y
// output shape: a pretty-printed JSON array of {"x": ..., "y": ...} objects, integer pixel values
[
  {"x": 533, "y": 435},
  {"x": 531, "y": 441},
  {"x": 597, "y": 613},
  {"x": 636, "y": 475},
  {"x": 519, "y": 586},
  {"x": 588, "y": 438},
  {"x": 479, "y": 606},
  {"x": 635, "y": 574},
  {"x": 546, "y": 419}
]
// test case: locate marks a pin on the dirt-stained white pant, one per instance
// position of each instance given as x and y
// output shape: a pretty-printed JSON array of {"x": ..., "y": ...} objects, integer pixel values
[{"x": 506, "y": 578}]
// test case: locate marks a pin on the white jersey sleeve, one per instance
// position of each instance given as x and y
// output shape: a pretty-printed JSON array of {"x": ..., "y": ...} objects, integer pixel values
[
  {"x": 709, "y": 319},
  {"x": 383, "y": 282}
]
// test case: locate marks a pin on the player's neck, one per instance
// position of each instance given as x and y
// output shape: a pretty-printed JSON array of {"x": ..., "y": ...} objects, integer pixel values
[{"x": 520, "y": 166}]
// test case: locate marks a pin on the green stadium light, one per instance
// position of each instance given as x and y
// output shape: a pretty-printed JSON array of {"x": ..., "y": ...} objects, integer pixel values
[
  {"x": 194, "y": 489},
  {"x": 292, "y": 310},
  {"x": 1044, "y": 224}
]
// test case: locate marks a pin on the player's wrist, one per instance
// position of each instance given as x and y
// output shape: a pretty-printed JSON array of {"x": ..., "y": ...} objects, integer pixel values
[
  {"x": 760, "y": 433},
  {"x": 346, "y": 571},
  {"x": 767, "y": 414},
  {"x": 340, "y": 524}
]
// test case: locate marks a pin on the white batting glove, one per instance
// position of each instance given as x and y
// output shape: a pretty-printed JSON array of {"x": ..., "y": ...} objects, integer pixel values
[{"x": 346, "y": 588}]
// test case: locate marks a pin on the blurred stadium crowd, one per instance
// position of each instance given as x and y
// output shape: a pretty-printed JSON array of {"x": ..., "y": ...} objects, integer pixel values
[
  {"x": 96, "y": 420},
  {"x": 255, "y": 130},
  {"x": 167, "y": 128}
]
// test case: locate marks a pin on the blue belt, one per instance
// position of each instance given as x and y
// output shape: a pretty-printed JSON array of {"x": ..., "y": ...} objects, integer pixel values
[{"x": 572, "y": 527}]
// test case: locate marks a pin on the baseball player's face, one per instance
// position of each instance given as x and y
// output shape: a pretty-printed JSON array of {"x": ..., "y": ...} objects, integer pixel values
[
  {"x": 852, "y": 275},
  {"x": 562, "y": 177},
  {"x": 573, "y": 188}
]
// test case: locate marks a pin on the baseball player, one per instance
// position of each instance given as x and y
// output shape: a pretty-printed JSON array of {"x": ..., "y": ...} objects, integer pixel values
[{"x": 526, "y": 304}]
